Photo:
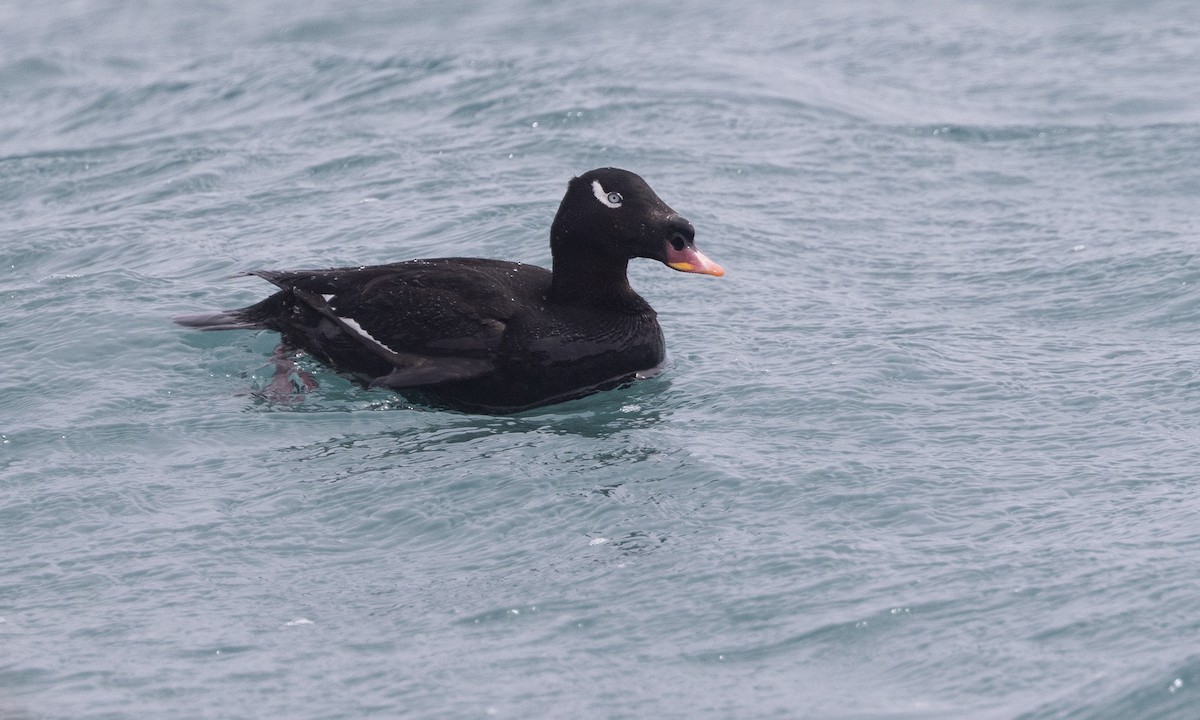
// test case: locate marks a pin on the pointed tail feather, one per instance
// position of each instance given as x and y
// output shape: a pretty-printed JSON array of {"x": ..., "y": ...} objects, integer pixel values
[{"x": 223, "y": 320}]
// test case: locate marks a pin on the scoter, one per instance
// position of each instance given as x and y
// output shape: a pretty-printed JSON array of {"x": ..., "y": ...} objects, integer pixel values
[{"x": 491, "y": 336}]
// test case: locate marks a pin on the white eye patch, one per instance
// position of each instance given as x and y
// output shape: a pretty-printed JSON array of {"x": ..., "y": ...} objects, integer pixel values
[{"x": 608, "y": 199}]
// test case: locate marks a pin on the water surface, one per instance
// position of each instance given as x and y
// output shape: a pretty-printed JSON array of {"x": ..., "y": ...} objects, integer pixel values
[{"x": 927, "y": 451}]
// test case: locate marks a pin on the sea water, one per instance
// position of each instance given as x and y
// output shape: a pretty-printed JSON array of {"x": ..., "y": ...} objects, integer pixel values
[{"x": 928, "y": 450}]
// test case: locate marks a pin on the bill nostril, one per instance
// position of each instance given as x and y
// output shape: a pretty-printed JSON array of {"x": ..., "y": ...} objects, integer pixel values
[{"x": 682, "y": 232}]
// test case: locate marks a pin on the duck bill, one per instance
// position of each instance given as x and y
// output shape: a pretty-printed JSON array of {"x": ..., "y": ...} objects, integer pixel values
[{"x": 692, "y": 260}]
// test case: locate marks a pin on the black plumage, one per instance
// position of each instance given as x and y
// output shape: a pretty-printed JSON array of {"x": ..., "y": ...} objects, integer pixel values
[{"x": 489, "y": 335}]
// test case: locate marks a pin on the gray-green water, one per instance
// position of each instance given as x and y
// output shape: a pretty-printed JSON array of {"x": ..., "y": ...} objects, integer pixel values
[{"x": 929, "y": 450}]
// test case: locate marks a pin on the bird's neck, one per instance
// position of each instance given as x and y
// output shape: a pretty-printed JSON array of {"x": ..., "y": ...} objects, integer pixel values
[{"x": 594, "y": 280}]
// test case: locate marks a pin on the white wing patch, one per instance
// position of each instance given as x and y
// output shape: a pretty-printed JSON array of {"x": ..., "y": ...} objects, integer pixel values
[
  {"x": 328, "y": 298},
  {"x": 602, "y": 196},
  {"x": 353, "y": 325}
]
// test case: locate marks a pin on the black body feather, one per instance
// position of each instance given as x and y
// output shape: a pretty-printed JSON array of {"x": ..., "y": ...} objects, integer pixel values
[{"x": 489, "y": 335}]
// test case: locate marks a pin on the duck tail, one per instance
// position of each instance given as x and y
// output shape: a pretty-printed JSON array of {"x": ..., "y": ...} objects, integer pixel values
[
  {"x": 222, "y": 320},
  {"x": 259, "y": 316}
]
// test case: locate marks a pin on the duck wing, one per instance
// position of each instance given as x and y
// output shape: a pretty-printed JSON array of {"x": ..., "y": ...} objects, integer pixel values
[{"x": 431, "y": 321}]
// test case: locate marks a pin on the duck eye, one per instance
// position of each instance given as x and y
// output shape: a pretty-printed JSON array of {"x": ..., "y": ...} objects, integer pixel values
[{"x": 608, "y": 199}]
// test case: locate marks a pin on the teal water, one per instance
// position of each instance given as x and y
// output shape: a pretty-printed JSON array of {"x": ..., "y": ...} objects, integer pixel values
[{"x": 928, "y": 450}]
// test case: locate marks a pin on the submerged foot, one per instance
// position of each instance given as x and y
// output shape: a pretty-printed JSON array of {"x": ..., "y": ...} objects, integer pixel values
[{"x": 289, "y": 380}]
